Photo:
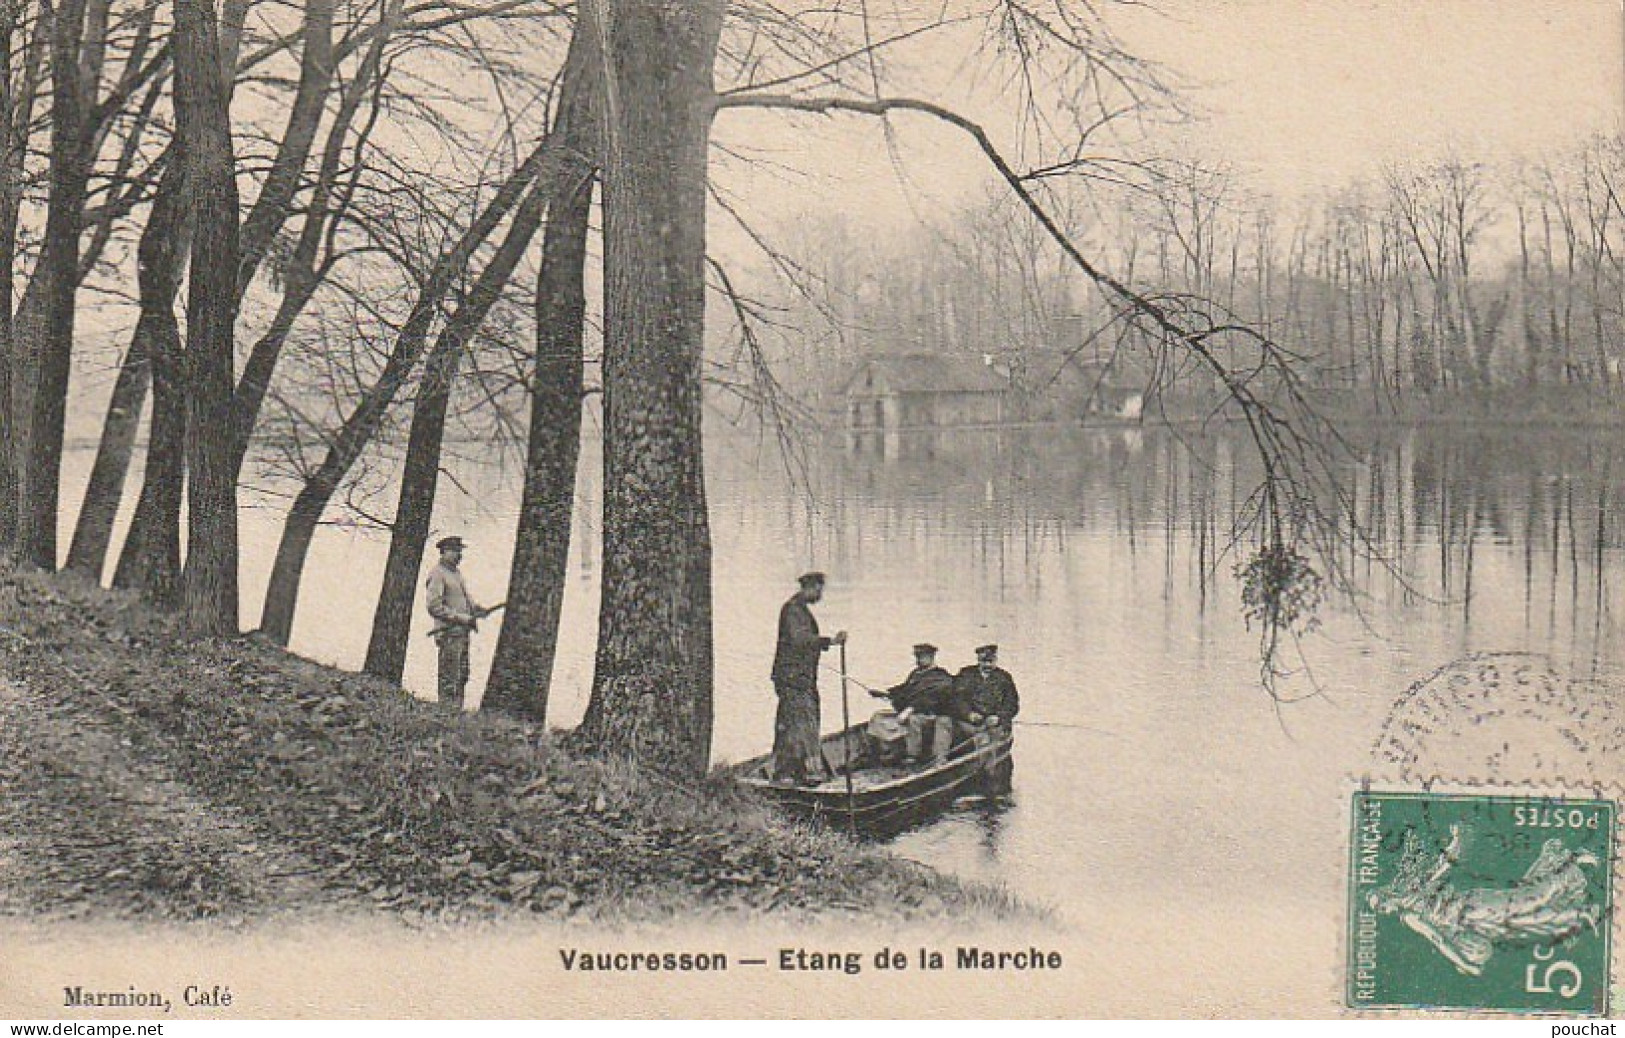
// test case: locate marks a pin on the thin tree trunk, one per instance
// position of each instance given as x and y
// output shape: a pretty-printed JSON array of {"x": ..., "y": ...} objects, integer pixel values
[
  {"x": 150, "y": 561},
  {"x": 392, "y": 618},
  {"x": 93, "y": 530},
  {"x": 652, "y": 681},
  {"x": 48, "y": 347},
  {"x": 522, "y": 668},
  {"x": 23, "y": 328},
  {"x": 203, "y": 127},
  {"x": 282, "y": 593},
  {"x": 151, "y": 557},
  {"x": 11, "y": 158},
  {"x": 161, "y": 258}
]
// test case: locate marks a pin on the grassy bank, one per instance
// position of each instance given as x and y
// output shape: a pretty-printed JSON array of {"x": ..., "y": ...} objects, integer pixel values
[{"x": 398, "y": 807}]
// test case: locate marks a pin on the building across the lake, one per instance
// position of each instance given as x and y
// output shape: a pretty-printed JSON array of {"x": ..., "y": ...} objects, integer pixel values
[
  {"x": 926, "y": 391},
  {"x": 1061, "y": 386},
  {"x": 890, "y": 393}
]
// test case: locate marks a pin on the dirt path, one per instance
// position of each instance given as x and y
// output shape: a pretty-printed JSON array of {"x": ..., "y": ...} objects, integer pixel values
[{"x": 89, "y": 829}]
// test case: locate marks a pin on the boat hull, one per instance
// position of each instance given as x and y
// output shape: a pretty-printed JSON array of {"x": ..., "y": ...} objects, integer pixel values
[{"x": 883, "y": 800}]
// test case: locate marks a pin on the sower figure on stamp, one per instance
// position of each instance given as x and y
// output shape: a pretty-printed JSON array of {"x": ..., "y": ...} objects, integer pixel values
[
  {"x": 984, "y": 699},
  {"x": 456, "y": 616},
  {"x": 795, "y": 680},
  {"x": 922, "y": 702}
]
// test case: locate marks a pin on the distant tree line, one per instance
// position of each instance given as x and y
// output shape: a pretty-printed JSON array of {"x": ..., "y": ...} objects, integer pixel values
[{"x": 1448, "y": 275}]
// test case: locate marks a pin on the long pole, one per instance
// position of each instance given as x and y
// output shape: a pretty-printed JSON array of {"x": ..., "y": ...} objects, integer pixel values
[{"x": 846, "y": 733}]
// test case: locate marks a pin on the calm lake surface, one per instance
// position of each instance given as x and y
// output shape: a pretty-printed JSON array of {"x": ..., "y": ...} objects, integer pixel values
[{"x": 1184, "y": 795}]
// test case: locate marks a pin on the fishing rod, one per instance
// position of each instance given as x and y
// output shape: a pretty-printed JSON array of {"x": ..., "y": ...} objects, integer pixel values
[
  {"x": 1062, "y": 724},
  {"x": 872, "y": 690}
]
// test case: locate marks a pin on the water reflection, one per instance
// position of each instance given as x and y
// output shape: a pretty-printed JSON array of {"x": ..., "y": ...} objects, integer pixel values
[
  {"x": 1102, "y": 561},
  {"x": 1099, "y": 560},
  {"x": 1438, "y": 506}
]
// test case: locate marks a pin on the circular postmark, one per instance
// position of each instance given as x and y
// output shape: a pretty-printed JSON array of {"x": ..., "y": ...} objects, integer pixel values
[{"x": 1505, "y": 717}]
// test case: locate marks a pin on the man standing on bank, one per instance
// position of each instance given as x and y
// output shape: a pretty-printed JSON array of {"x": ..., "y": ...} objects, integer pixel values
[
  {"x": 455, "y": 616},
  {"x": 795, "y": 680},
  {"x": 985, "y": 699}
]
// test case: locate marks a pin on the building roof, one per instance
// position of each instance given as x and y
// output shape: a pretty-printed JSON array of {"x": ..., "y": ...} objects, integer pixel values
[{"x": 927, "y": 373}]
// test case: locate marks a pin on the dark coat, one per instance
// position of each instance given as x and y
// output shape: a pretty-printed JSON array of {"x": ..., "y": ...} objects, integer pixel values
[
  {"x": 992, "y": 694},
  {"x": 926, "y": 690},
  {"x": 795, "y": 659}
]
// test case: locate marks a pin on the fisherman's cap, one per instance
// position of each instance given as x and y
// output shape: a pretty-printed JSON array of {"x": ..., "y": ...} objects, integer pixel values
[
  {"x": 985, "y": 651},
  {"x": 925, "y": 649},
  {"x": 813, "y": 579},
  {"x": 448, "y": 543}
]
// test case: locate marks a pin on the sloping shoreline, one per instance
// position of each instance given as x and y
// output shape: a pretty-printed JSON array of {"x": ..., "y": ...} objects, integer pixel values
[{"x": 228, "y": 780}]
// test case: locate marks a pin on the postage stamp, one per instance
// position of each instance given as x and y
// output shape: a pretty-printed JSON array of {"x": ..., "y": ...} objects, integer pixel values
[{"x": 1480, "y": 902}]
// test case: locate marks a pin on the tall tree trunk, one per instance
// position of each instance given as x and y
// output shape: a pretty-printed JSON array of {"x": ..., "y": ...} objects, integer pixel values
[
  {"x": 522, "y": 668},
  {"x": 161, "y": 258},
  {"x": 10, "y": 176},
  {"x": 282, "y": 593},
  {"x": 11, "y": 172},
  {"x": 392, "y": 619},
  {"x": 14, "y": 415},
  {"x": 93, "y": 530},
  {"x": 47, "y": 348},
  {"x": 151, "y": 557},
  {"x": 652, "y": 681},
  {"x": 150, "y": 561},
  {"x": 203, "y": 128}
]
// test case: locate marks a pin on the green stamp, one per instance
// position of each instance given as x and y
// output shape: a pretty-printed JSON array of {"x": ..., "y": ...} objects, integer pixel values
[{"x": 1495, "y": 902}]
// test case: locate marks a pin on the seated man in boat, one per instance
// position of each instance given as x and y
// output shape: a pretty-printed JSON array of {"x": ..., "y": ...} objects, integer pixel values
[
  {"x": 984, "y": 699},
  {"x": 921, "y": 703}
]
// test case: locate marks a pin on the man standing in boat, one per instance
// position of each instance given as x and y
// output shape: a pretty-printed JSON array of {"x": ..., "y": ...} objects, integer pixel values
[
  {"x": 922, "y": 702},
  {"x": 455, "y": 617},
  {"x": 795, "y": 680},
  {"x": 985, "y": 700}
]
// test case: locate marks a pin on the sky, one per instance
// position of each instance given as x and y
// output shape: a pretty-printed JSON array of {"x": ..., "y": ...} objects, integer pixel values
[
  {"x": 1300, "y": 96},
  {"x": 1314, "y": 93}
]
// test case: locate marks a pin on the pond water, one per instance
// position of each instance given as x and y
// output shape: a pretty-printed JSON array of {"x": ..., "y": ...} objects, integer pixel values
[{"x": 1168, "y": 793}]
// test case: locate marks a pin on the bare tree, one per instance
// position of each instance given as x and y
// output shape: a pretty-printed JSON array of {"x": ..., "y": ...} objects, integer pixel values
[{"x": 521, "y": 670}]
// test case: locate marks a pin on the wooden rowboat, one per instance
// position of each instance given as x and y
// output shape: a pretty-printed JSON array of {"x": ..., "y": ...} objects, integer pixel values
[{"x": 885, "y": 798}]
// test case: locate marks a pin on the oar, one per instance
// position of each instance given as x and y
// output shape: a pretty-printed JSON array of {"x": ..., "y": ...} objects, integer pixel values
[{"x": 846, "y": 733}]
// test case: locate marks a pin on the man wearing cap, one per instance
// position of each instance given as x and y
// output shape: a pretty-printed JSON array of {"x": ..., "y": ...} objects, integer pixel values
[
  {"x": 922, "y": 702},
  {"x": 795, "y": 680},
  {"x": 455, "y": 616},
  {"x": 984, "y": 698}
]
